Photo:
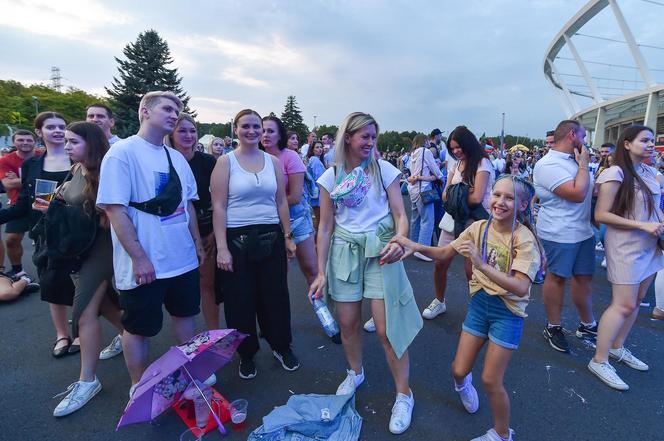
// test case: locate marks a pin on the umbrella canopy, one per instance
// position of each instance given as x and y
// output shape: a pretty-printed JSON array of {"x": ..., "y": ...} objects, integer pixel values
[{"x": 167, "y": 377}]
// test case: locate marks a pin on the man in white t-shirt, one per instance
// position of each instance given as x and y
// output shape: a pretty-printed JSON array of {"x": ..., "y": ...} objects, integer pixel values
[
  {"x": 304, "y": 150},
  {"x": 157, "y": 248},
  {"x": 499, "y": 163},
  {"x": 328, "y": 148},
  {"x": 102, "y": 115},
  {"x": 564, "y": 187}
]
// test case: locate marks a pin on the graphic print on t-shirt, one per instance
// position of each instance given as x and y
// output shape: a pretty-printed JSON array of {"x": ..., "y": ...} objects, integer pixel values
[
  {"x": 160, "y": 181},
  {"x": 497, "y": 256}
]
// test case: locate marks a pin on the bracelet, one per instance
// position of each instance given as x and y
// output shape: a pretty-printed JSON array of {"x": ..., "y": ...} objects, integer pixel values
[{"x": 583, "y": 167}]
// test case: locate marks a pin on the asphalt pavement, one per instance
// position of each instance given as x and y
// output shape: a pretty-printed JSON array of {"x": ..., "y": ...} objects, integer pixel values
[{"x": 553, "y": 395}]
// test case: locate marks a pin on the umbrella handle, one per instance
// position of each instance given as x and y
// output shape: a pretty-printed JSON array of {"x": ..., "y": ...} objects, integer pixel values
[{"x": 220, "y": 426}]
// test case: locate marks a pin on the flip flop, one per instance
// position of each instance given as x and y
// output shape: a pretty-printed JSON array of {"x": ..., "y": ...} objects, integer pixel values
[{"x": 63, "y": 350}]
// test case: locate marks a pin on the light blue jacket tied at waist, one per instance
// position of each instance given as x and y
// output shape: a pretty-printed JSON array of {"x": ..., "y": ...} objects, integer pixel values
[
  {"x": 310, "y": 418},
  {"x": 403, "y": 319}
]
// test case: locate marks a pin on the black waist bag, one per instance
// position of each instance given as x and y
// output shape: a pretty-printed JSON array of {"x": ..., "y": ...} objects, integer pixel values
[{"x": 168, "y": 200}]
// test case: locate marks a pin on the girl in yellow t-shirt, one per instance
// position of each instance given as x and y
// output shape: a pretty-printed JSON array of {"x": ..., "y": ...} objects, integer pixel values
[{"x": 506, "y": 257}]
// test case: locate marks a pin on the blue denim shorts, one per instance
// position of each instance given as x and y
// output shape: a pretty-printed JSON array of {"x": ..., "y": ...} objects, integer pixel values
[
  {"x": 489, "y": 317},
  {"x": 570, "y": 259},
  {"x": 302, "y": 225}
]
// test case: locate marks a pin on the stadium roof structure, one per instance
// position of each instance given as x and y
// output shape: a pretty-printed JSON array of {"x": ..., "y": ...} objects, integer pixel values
[{"x": 615, "y": 87}]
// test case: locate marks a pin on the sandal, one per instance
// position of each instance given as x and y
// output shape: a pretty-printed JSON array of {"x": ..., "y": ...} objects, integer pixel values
[
  {"x": 74, "y": 348},
  {"x": 62, "y": 350}
]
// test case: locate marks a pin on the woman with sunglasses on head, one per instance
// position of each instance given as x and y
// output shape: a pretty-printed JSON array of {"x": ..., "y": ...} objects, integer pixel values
[
  {"x": 474, "y": 169},
  {"x": 361, "y": 211},
  {"x": 56, "y": 287},
  {"x": 86, "y": 145},
  {"x": 253, "y": 234},
  {"x": 184, "y": 139},
  {"x": 516, "y": 165},
  {"x": 275, "y": 142}
]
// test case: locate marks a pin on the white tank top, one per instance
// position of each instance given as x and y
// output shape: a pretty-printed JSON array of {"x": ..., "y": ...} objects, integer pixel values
[{"x": 252, "y": 197}]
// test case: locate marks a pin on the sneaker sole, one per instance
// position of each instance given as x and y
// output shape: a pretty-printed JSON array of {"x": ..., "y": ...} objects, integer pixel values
[
  {"x": 431, "y": 317},
  {"x": 108, "y": 357},
  {"x": 586, "y": 336},
  {"x": 70, "y": 410},
  {"x": 565, "y": 351},
  {"x": 246, "y": 377},
  {"x": 281, "y": 360},
  {"x": 619, "y": 387}
]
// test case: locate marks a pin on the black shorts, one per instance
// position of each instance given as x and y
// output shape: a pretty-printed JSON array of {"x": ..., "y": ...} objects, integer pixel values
[
  {"x": 142, "y": 312},
  {"x": 18, "y": 226}
]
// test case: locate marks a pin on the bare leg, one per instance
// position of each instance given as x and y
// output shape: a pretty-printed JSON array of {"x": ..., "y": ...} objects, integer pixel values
[
  {"x": 495, "y": 363},
  {"x": 469, "y": 347},
  {"x": 306, "y": 257},
  {"x": 135, "y": 349},
  {"x": 59, "y": 317},
  {"x": 582, "y": 297},
  {"x": 622, "y": 307},
  {"x": 400, "y": 367},
  {"x": 111, "y": 312},
  {"x": 553, "y": 292},
  {"x": 89, "y": 331},
  {"x": 14, "y": 247},
  {"x": 627, "y": 326},
  {"x": 10, "y": 291},
  {"x": 183, "y": 328},
  {"x": 349, "y": 316},
  {"x": 440, "y": 277}
]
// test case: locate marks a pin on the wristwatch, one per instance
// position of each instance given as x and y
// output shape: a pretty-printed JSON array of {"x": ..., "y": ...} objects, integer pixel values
[{"x": 289, "y": 235}]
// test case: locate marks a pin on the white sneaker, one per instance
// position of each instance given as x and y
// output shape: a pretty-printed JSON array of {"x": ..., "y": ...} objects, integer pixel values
[
  {"x": 402, "y": 412},
  {"x": 351, "y": 382},
  {"x": 78, "y": 394},
  {"x": 605, "y": 372},
  {"x": 468, "y": 394},
  {"x": 435, "y": 308},
  {"x": 132, "y": 389},
  {"x": 370, "y": 326},
  {"x": 625, "y": 355},
  {"x": 422, "y": 257},
  {"x": 114, "y": 348},
  {"x": 603, "y": 264},
  {"x": 492, "y": 435},
  {"x": 211, "y": 380},
  {"x": 599, "y": 247}
]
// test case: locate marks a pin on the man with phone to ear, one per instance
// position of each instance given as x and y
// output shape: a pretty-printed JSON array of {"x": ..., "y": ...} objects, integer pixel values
[{"x": 564, "y": 186}]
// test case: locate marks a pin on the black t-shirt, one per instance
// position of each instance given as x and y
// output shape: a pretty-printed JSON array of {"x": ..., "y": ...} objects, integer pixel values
[{"x": 202, "y": 165}]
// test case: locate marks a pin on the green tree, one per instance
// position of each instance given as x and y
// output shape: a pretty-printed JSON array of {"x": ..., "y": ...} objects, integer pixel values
[
  {"x": 292, "y": 119},
  {"x": 144, "y": 70},
  {"x": 323, "y": 129}
]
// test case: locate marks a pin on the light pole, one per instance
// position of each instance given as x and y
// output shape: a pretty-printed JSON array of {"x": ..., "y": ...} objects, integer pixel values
[
  {"x": 502, "y": 135},
  {"x": 35, "y": 101},
  {"x": 314, "y": 122}
]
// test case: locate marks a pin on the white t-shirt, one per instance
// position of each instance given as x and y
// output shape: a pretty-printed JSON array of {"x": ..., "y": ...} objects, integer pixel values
[
  {"x": 364, "y": 217},
  {"x": 415, "y": 167},
  {"x": 135, "y": 170},
  {"x": 304, "y": 150},
  {"x": 558, "y": 219},
  {"x": 499, "y": 164},
  {"x": 484, "y": 166}
]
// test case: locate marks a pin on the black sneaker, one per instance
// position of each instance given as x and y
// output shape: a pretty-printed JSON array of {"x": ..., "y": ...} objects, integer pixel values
[
  {"x": 247, "y": 368},
  {"x": 556, "y": 338},
  {"x": 288, "y": 360},
  {"x": 587, "y": 332}
]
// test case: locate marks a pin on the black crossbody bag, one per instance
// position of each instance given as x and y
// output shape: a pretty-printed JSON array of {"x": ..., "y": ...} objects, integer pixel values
[{"x": 166, "y": 202}]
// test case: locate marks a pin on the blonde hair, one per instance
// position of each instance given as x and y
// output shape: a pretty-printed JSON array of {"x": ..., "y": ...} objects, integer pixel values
[
  {"x": 208, "y": 147},
  {"x": 151, "y": 99},
  {"x": 168, "y": 139},
  {"x": 419, "y": 141},
  {"x": 352, "y": 123}
]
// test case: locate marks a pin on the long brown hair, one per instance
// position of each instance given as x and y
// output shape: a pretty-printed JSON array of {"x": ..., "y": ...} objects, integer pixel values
[
  {"x": 623, "y": 205},
  {"x": 96, "y": 146},
  {"x": 472, "y": 150}
]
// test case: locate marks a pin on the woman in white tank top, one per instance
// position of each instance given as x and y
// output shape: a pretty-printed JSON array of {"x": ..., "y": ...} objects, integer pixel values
[{"x": 253, "y": 234}]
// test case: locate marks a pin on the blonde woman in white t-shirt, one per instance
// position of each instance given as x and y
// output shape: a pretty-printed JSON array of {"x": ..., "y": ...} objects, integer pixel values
[{"x": 361, "y": 210}]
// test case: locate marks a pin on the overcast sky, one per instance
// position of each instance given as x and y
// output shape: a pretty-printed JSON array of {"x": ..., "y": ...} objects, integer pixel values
[{"x": 413, "y": 64}]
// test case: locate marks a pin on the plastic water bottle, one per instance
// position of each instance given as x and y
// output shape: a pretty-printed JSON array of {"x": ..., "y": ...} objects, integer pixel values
[
  {"x": 325, "y": 317},
  {"x": 201, "y": 409}
]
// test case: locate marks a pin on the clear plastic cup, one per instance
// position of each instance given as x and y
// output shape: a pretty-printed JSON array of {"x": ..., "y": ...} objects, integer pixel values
[{"x": 238, "y": 410}]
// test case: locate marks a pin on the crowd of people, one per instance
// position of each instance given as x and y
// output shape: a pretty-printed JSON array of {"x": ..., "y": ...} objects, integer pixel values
[{"x": 152, "y": 221}]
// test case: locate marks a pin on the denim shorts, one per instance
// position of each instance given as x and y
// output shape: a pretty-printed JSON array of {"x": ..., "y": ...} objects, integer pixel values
[
  {"x": 570, "y": 259},
  {"x": 302, "y": 225},
  {"x": 489, "y": 317}
]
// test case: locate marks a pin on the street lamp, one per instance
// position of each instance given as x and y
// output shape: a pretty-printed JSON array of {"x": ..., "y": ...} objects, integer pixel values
[
  {"x": 314, "y": 122},
  {"x": 35, "y": 101}
]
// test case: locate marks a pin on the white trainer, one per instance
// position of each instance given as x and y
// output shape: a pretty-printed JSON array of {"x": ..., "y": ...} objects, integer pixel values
[
  {"x": 78, "y": 394},
  {"x": 603, "y": 264},
  {"x": 211, "y": 380},
  {"x": 114, "y": 348},
  {"x": 492, "y": 435},
  {"x": 422, "y": 257},
  {"x": 351, "y": 382},
  {"x": 435, "y": 308},
  {"x": 605, "y": 372},
  {"x": 468, "y": 394},
  {"x": 625, "y": 355},
  {"x": 402, "y": 412},
  {"x": 370, "y": 325}
]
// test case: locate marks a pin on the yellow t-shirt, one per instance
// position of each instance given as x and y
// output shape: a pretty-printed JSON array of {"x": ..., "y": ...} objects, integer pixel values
[{"x": 526, "y": 260}]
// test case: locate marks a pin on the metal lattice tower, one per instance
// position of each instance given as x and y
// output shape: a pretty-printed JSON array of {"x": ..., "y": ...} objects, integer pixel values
[{"x": 56, "y": 83}]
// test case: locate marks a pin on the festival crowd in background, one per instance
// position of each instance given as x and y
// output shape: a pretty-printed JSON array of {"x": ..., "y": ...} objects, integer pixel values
[{"x": 128, "y": 226}]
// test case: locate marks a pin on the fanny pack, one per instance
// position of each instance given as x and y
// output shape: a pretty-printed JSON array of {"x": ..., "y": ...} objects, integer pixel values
[
  {"x": 352, "y": 189},
  {"x": 168, "y": 200},
  {"x": 257, "y": 245}
]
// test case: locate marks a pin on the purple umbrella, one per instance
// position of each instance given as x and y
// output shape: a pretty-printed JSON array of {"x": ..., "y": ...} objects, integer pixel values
[{"x": 167, "y": 377}]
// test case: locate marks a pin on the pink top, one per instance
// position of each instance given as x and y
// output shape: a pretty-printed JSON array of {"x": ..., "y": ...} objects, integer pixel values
[{"x": 291, "y": 163}]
